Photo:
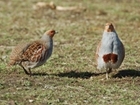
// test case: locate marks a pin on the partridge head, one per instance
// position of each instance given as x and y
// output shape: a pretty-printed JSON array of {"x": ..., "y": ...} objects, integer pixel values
[
  {"x": 110, "y": 51},
  {"x": 33, "y": 54}
]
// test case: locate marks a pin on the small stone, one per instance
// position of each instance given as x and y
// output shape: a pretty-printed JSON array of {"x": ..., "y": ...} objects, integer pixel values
[{"x": 31, "y": 101}]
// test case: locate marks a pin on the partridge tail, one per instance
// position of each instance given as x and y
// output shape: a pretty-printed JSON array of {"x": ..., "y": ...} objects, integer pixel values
[{"x": 16, "y": 53}]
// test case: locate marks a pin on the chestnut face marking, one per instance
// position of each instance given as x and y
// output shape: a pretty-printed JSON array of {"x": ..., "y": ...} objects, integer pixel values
[
  {"x": 51, "y": 33},
  {"x": 109, "y": 27},
  {"x": 110, "y": 57}
]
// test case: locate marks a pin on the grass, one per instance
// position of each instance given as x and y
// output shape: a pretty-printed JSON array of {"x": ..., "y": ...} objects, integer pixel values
[{"x": 70, "y": 76}]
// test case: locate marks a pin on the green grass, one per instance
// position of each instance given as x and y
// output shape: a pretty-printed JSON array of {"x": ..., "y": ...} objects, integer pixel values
[{"x": 70, "y": 76}]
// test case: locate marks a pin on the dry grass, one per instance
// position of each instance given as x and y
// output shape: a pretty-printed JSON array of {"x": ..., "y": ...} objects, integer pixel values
[{"x": 70, "y": 76}]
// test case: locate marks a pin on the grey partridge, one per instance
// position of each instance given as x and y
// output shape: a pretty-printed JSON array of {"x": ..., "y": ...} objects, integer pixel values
[
  {"x": 110, "y": 51},
  {"x": 33, "y": 54}
]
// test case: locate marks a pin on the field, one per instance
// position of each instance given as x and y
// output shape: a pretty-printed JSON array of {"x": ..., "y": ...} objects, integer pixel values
[{"x": 70, "y": 76}]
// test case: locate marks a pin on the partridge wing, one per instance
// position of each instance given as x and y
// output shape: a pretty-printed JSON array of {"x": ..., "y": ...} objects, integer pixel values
[
  {"x": 97, "y": 50},
  {"x": 121, "y": 51},
  {"x": 34, "y": 51}
]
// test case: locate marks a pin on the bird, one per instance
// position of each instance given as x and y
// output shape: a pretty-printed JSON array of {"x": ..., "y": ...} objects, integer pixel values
[
  {"x": 110, "y": 51},
  {"x": 33, "y": 54}
]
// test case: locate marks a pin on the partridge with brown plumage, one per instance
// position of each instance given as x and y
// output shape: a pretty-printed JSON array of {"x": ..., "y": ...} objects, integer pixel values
[
  {"x": 110, "y": 51},
  {"x": 33, "y": 54}
]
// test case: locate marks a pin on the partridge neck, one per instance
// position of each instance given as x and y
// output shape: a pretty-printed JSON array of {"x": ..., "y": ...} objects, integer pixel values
[{"x": 46, "y": 38}]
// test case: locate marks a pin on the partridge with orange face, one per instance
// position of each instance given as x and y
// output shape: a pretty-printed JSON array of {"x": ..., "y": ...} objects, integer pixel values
[
  {"x": 33, "y": 54},
  {"x": 110, "y": 51}
]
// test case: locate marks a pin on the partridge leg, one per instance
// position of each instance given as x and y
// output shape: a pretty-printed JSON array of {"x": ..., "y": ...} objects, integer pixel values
[
  {"x": 24, "y": 70},
  {"x": 107, "y": 73},
  {"x": 20, "y": 64},
  {"x": 30, "y": 73}
]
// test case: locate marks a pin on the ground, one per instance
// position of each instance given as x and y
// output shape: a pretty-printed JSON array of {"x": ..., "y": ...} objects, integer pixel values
[{"x": 70, "y": 76}]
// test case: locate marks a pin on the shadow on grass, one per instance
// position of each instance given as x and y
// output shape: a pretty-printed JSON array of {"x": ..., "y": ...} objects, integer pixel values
[
  {"x": 86, "y": 75},
  {"x": 127, "y": 73},
  {"x": 40, "y": 74},
  {"x": 74, "y": 74}
]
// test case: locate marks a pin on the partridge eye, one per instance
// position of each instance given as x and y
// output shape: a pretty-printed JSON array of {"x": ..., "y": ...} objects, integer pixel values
[{"x": 52, "y": 32}]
